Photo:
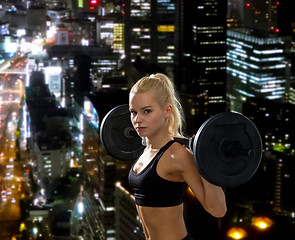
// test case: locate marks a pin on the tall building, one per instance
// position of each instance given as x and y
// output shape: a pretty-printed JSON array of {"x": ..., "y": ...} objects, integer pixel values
[
  {"x": 261, "y": 15},
  {"x": 128, "y": 225},
  {"x": 273, "y": 16},
  {"x": 50, "y": 138},
  {"x": 275, "y": 124},
  {"x": 106, "y": 187},
  {"x": 149, "y": 32},
  {"x": 200, "y": 58},
  {"x": 258, "y": 65},
  {"x": 234, "y": 13}
]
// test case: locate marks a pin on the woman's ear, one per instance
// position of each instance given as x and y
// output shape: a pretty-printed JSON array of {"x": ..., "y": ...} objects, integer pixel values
[{"x": 168, "y": 110}]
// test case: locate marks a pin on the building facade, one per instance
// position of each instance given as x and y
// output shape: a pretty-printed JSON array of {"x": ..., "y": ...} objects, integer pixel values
[
  {"x": 258, "y": 65},
  {"x": 261, "y": 15},
  {"x": 128, "y": 225},
  {"x": 149, "y": 32},
  {"x": 200, "y": 57}
]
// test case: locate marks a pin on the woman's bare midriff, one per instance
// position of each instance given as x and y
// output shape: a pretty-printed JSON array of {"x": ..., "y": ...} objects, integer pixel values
[{"x": 162, "y": 223}]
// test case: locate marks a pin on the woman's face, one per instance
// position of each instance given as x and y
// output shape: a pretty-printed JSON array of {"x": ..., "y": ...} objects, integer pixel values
[{"x": 147, "y": 117}]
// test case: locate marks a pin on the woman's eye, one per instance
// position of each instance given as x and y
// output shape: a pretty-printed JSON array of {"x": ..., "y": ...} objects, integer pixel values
[{"x": 147, "y": 111}]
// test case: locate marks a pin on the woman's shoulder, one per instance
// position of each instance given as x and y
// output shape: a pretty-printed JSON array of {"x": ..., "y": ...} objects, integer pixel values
[
  {"x": 181, "y": 153},
  {"x": 177, "y": 146}
]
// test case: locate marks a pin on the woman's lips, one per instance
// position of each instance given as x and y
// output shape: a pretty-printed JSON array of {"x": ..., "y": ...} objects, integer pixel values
[{"x": 140, "y": 129}]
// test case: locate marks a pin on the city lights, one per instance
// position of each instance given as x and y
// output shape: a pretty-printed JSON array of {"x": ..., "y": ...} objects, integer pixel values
[
  {"x": 22, "y": 227},
  {"x": 262, "y": 223},
  {"x": 80, "y": 207},
  {"x": 237, "y": 233},
  {"x": 93, "y": 4},
  {"x": 230, "y": 56},
  {"x": 166, "y": 28},
  {"x": 35, "y": 231}
]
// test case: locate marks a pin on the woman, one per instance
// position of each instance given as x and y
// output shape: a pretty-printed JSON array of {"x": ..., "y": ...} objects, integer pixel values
[{"x": 158, "y": 176}]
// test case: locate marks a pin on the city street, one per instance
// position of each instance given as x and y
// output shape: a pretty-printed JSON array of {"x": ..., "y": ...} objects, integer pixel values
[{"x": 11, "y": 176}]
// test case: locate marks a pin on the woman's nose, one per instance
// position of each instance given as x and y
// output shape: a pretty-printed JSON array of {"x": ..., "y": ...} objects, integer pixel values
[{"x": 138, "y": 118}]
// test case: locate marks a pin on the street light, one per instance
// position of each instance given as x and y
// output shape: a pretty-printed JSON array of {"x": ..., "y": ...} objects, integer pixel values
[
  {"x": 80, "y": 207},
  {"x": 236, "y": 233},
  {"x": 262, "y": 223},
  {"x": 35, "y": 231},
  {"x": 22, "y": 227}
]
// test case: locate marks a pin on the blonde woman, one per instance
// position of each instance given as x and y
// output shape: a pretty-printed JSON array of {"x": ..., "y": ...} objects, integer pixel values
[{"x": 158, "y": 176}]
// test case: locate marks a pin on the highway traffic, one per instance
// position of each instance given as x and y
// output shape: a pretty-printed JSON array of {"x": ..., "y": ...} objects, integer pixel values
[{"x": 11, "y": 174}]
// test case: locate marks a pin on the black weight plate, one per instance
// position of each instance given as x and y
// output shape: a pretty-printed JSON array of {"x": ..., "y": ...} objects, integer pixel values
[
  {"x": 211, "y": 149},
  {"x": 118, "y": 136}
]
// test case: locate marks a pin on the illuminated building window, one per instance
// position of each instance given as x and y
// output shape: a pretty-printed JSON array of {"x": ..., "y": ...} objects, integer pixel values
[
  {"x": 140, "y": 8},
  {"x": 118, "y": 41},
  {"x": 80, "y": 3},
  {"x": 166, "y": 28}
]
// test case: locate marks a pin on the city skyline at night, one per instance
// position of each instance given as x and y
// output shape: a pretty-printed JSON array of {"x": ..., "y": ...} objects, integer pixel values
[{"x": 65, "y": 64}]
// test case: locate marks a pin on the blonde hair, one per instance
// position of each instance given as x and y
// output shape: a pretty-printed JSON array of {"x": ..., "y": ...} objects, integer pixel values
[{"x": 165, "y": 94}]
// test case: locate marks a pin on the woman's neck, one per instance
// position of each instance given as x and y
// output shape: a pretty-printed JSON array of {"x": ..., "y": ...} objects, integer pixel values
[{"x": 157, "y": 143}]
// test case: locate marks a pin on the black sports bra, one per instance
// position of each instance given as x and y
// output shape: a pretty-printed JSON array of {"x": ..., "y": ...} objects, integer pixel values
[{"x": 150, "y": 189}]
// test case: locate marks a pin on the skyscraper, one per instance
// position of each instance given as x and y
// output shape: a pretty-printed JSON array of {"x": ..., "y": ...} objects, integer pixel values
[
  {"x": 149, "y": 32},
  {"x": 275, "y": 124},
  {"x": 261, "y": 15},
  {"x": 258, "y": 66},
  {"x": 127, "y": 221},
  {"x": 200, "y": 58}
]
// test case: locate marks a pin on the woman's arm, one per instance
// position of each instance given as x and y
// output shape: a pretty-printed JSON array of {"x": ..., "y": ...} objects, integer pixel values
[
  {"x": 210, "y": 196},
  {"x": 214, "y": 199}
]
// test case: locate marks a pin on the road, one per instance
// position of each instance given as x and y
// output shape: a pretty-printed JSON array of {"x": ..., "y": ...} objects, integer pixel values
[{"x": 11, "y": 176}]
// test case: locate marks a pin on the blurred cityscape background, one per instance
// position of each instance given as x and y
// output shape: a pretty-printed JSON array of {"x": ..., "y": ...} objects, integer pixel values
[{"x": 64, "y": 64}]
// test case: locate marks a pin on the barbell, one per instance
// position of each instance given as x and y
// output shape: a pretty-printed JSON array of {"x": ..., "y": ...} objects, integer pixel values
[{"x": 227, "y": 148}]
